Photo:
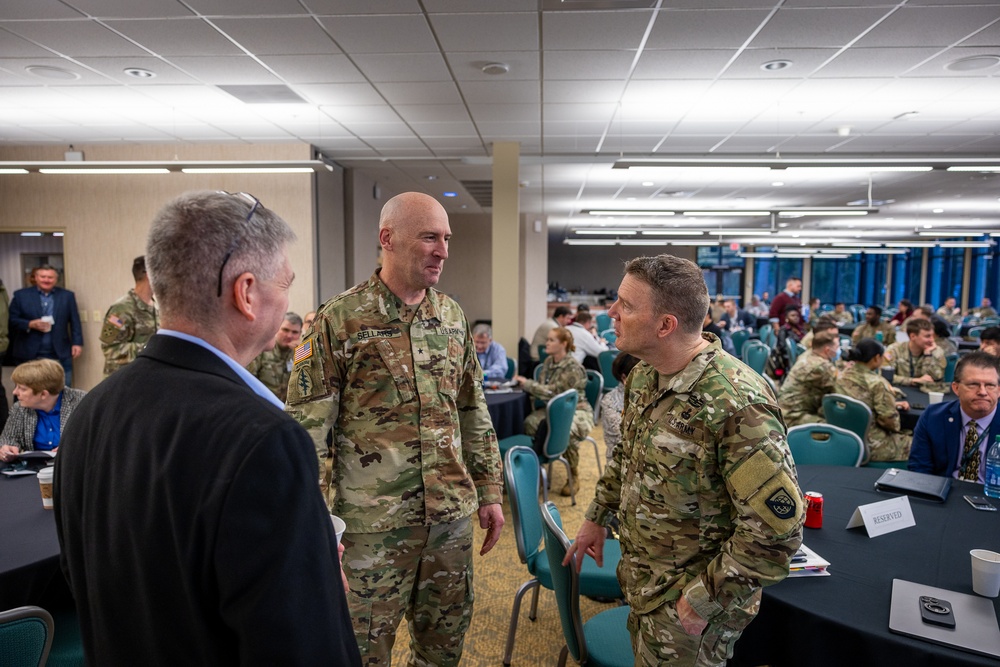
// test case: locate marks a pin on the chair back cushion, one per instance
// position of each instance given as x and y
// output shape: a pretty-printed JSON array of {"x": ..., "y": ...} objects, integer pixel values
[
  {"x": 522, "y": 472},
  {"x": 848, "y": 413},
  {"x": 25, "y": 637},
  {"x": 565, "y": 582},
  {"x": 823, "y": 444},
  {"x": 559, "y": 413}
]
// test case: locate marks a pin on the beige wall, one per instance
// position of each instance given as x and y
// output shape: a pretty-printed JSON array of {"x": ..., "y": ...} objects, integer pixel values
[
  {"x": 466, "y": 276},
  {"x": 106, "y": 218},
  {"x": 535, "y": 269}
]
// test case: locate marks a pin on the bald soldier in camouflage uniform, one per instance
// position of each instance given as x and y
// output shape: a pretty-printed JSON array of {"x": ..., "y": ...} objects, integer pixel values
[
  {"x": 863, "y": 380},
  {"x": 273, "y": 367},
  {"x": 129, "y": 322},
  {"x": 811, "y": 378},
  {"x": 390, "y": 366},
  {"x": 703, "y": 482},
  {"x": 919, "y": 362}
]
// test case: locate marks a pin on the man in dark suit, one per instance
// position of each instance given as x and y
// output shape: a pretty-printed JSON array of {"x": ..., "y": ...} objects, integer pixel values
[
  {"x": 951, "y": 438},
  {"x": 44, "y": 323},
  {"x": 191, "y": 526}
]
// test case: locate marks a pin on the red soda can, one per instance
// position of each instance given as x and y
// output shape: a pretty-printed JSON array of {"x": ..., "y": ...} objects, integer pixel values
[{"x": 814, "y": 509}]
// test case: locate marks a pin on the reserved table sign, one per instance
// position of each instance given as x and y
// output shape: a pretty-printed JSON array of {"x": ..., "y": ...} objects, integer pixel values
[{"x": 884, "y": 516}]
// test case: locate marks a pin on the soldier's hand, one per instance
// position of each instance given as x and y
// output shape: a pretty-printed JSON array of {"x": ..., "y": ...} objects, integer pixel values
[
  {"x": 693, "y": 623},
  {"x": 76, "y": 350},
  {"x": 491, "y": 520},
  {"x": 589, "y": 540},
  {"x": 343, "y": 575}
]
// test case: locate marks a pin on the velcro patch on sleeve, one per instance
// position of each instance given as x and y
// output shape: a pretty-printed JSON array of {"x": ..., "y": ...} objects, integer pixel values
[{"x": 751, "y": 474}]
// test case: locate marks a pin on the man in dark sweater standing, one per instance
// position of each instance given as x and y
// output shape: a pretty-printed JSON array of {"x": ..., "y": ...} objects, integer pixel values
[{"x": 789, "y": 297}]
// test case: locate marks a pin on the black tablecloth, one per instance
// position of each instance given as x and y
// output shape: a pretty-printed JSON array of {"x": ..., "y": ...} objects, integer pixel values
[
  {"x": 843, "y": 619},
  {"x": 507, "y": 412},
  {"x": 848, "y": 329},
  {"x": 918, "y": 401},
  {"x": 29, "y": 548}
]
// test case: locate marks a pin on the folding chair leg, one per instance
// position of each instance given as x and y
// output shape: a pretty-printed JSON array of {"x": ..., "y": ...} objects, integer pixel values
[
  {"x": 597, "y": 455},
  {"x": 563, "y": 654},
  {"x": 545, "y": 485},
  {"x": 515, "y": 612},
  {"x": 533, "y": 614},
  {"x": 569, "y": 479}
]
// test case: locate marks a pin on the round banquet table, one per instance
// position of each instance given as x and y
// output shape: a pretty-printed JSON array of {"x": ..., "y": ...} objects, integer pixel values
[
  {"x": 918, "y": 401},
  {"x": 507, "y": 410},
  {"x": 29, "y": 548},
  {"x": 843, "y": 619}
]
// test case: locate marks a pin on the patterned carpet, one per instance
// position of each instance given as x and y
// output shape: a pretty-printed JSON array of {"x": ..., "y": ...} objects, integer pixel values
[{"x": 500, "y": 573}]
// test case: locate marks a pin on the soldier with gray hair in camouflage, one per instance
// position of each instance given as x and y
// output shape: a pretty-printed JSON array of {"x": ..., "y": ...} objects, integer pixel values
[
  {"x": 561, "y": 371},
  {"x": 811, "y": 378},
  {"x": 390, "y": 366},
  {"x": 130, "y": 321},
  {"x": 864, "y": 381},
  {"x": 703, "y": 482},
  {"x": 273, "y": 367}
]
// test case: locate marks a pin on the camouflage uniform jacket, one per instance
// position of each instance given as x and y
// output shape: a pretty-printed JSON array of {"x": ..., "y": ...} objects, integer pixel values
[
  {"x": 841, "y": 318},
  {"x": 802, "y": 392},
  {"x": 273, "y": 367},
  {"x": 413, "y": 441},
  {"x": 907, "y": 366},
  {"x": 869, "y": 387},
  {"x": 557, "y": 377},
  {"x": 128, "y": 325},
  {"x": 705, "y": 489},
  {"x": 865, "y": 330}
]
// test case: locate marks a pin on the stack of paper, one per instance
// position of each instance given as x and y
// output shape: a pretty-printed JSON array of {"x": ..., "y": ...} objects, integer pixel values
[{"x": 808, "y": 563}]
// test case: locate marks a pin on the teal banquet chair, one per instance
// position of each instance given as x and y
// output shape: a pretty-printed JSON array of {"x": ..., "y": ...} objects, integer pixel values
[
  {"x": 851, "y": 414},
  {"x": 739, "y": 337},
  {"x": 603, "y": 641},
  {"x": 825, "y": 444},
  {"x": 558, "y": 423},
  {"x": 25, "y": 637},
  {"x": 594, "y": 390},
  {"x": 604, "y": 360},
  {"x": 604, "y": 322},
  {"x": 522, "y": 472},
  {"x": 511, "y": 369},
  {"x": 755, "y": 354},
  {"x": 949, "y": 369}
]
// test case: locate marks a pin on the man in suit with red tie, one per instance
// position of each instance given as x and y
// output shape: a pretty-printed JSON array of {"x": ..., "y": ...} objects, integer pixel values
[{"x": 951, "y": 438}]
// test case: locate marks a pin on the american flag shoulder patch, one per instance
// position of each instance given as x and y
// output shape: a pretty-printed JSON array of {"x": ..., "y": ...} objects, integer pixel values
[
  {"x": 116, "y": 321},
  {"x": 303, "y": 351}
]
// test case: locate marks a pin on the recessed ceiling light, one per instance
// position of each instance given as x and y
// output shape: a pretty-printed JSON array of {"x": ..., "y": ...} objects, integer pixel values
[
  {"x": 973, "y": 63},
  {"x": 647, "y": 184},
  {"x": 450, "y": 194},
  {"x": 139, "y": 73},
  {"x": 938, "y": 210},
  {"x": 431, "y": 177},
  {"x": 775, "y": 65},
  {"x": 495, "y": 68},
  {"x": 47, "y": 72},
  {"x": 777, "y": 184}
]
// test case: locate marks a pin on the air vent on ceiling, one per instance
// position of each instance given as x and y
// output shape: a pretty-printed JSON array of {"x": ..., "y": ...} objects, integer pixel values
[
  {"x": 595, "y": 5},
  {"x": 263, "y": 94},
  {"x": 481, "y": 191}
]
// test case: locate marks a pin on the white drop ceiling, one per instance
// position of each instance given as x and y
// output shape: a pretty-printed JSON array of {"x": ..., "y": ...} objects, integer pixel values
[{"x": 396, "y": 88}]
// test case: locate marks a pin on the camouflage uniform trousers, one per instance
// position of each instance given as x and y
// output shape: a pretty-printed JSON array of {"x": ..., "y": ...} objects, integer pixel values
[
  {"x": 583, "y": 424},
  {"x": 422, "y": 572},
  {"x": 888, "y": 445},
  {"x": 658, "y": 638}
]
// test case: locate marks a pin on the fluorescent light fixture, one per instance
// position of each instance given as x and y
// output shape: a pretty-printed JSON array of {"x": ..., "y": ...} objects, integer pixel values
[
  {"x": 808, "y": 251},
  {"x": 58, "y": 234},
  {"x": 979, "y": 168},
  {"x": 13, "y": 171},
  {"x": 883, "y": 251},
  {"x": 247, "y": 170},
  {"x": 739, "y": 232},
  {"x": 624, "y": 212},
  {"x": 31, "y": 234},
  {"x": 789, "y": 213},
  {"x": 695, "y": 243},
  {"x": 965, "y": 244},
  {"x": 760, "y": 255},
  {"x": 802, "y": 257},
  {"x": 671, "y": 232},
  {"x": 856, "y": 244},
  {"x": 994, "y": 234},
  {"x": 106, "y": 170},
  {"x": 725, "y": 214},
  {"x": 590, "y": 242},
  {"x": 609, "y": 230},
  {"x": 941, "y": 233},
  {"x": 910, "y": 244},
  {"x": 650, "y": 242},
  {"x": 832, "y": 255}
]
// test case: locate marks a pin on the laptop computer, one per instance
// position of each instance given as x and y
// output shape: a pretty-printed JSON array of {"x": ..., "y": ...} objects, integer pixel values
[
  {"x": 917, "y": 484},
  {"x": 975, "y": 618}
]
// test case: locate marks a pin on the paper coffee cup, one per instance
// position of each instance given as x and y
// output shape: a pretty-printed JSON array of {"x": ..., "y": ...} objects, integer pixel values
[
  {"x": 48, "y": 319},
  {"x": 985, "y": 572},
  {"x": 45, "y": 484},
  {"x": 338, "y": 527},
  {"x": 934, "y": 397}
]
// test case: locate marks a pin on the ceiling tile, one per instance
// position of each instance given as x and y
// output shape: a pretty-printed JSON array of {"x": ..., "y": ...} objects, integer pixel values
[
  {"x": 17, "y": 67},
  {"x": 362, "y": 114},
  {"x": 403, "y": 68},
  {"x": 381, "y": 34},
  {"x": 177, "y": 37},
  {"x": 587, "y": 65},
  {"x": 507, "y": 128},
  {"x": 225, "y": 69},
  {"x": 580, "y": 111},
  {"x": 314, "y": 69},
  {"x": 456, "y": 6},
  {"x": 468, "y": 66},
  {"x": 708, "y": 29},
  {"x": 561, "y": 128},
  {"x": 433, "y": 112},
  {"x": 861, "y": 62},
  {"x": 804, "y": 63},
  {"x": 280, "y": 36},
  {"x": 505, "y": 112},
  {"x": 509, "y": 31},
  {"x": 428, "y": 92},
  {"x": 74, "y": 38},
  {"x": 342, "y": 94},
  {"x": 340, "y": 7},
  {"x": 817, "y": 28},
  {"x": 560, "y": 92},
  {"x": 431, "y": 130},
  {"x": 247, "y": 7},
  {"x": 936, "y": 67},
  {"x": 453, "y": 143},
  {"x": 682, "y": 64},
  {"x": 566, "y": 31},
  {"x": 130, "y": 9},
  {"x": 12, "y": 46},
  {"x": 114, "y": 68},
  {"x": 931, "y": 26},
  {"x": 12, "y": 10},
  {"x": 499, "y": 92}
]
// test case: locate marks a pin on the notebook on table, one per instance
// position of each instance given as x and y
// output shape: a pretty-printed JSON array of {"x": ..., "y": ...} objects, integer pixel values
[{"x": 916, "y": 484}]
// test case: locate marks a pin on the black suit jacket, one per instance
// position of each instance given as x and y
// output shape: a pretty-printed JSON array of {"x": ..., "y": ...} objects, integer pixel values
[
  {"x": 66, "y": 332},
  {"x": 936, "y": 439},
  {"x": 192, "y": 528}
]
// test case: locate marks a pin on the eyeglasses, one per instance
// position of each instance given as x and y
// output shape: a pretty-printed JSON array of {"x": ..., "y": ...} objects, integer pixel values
[
  {"x": 978, "y": 386},
  {"x": 232, "y": 246}
]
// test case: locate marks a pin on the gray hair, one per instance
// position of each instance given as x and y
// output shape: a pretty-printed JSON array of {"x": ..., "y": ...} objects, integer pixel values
[
  {"x": 188, "y": 243},
  {"x": 678, "y": 286},
  {"x": 482, "y": 329},
  {"x": 293, "y": 319}
]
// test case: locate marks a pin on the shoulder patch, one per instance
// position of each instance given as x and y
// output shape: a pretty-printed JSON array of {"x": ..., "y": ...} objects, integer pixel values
[
  {"x": 303, "y": 351},
  {"x": 781, "y": 503}
]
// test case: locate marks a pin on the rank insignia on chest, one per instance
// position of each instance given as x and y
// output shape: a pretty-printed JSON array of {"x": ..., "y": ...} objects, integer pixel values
[
  {"x": 303, "y": 352},
  {"x": 781, "y": 503}
]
